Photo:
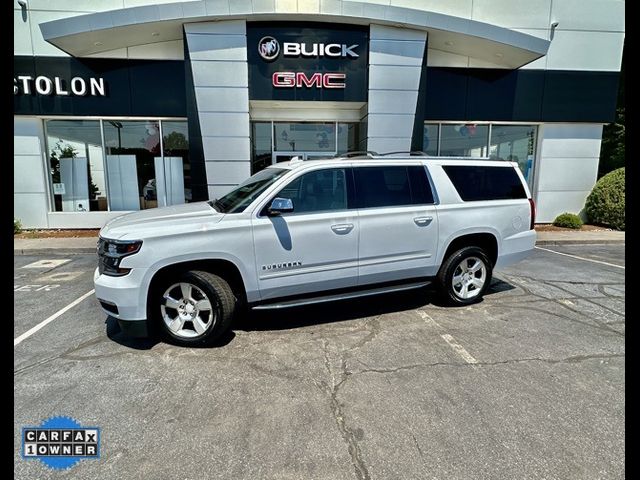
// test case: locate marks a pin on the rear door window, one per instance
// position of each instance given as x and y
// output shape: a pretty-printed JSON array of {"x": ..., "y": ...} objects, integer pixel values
[
  {"x": 475, "y": 183},
  {"x": 390, "y": 186}
]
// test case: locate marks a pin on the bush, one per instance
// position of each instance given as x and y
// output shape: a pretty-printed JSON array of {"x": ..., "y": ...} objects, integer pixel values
[
  {"x": 17, "y": 226},
  {"x": 605, "y": 204},
  {"x": 568, "y": 220}
]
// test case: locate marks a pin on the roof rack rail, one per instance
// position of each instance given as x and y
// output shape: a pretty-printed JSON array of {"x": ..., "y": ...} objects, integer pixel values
[
  {"x": 412, "y": 153},
  {"x": 359, "y": 153}
]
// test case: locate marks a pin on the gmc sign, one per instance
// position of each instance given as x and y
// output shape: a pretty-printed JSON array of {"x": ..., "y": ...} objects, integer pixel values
[{"x": 300, "y": 79}]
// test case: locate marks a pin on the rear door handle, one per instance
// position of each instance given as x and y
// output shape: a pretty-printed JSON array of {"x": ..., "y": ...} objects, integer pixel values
[
  {"x": 423, "y": 221},
  {"x": 342, "y": 228}
]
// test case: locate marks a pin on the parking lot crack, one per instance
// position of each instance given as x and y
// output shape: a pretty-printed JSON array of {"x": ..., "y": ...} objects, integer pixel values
[
  {"x": 527, "y": 306},
  {"x": 348, "y": 433},
  {"x": 417, "y": 444},
  {"x": 373, "y": 328},
  {"x": 572, "y": 359}
]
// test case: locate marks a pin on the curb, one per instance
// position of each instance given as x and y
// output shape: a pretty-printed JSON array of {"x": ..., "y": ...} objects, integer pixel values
[{"x": 551, "y": 243}]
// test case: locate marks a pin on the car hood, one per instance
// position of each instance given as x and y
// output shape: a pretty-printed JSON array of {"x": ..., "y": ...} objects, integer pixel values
[{"x": 161, "y": 221}]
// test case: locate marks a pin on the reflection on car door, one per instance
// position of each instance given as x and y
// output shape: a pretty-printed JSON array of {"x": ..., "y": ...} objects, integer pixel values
[{"x": 316, "y": 246}]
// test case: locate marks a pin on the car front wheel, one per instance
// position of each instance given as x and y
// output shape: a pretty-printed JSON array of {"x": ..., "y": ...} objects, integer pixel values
[
  {"x": 464, "y": 276},
  {"x": 195, "y": 308}
]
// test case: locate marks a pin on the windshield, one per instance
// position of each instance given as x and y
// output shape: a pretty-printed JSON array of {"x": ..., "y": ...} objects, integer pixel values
[{"x": 241, "y": 197}]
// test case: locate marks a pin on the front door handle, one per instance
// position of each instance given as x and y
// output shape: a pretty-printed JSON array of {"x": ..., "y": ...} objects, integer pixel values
[
  {"x": 423, "y": 221},
  {"x": 342, "y": 228}
]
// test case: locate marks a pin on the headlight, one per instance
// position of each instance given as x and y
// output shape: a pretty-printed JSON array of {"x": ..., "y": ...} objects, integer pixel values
[{"x": 111, "y": 253}]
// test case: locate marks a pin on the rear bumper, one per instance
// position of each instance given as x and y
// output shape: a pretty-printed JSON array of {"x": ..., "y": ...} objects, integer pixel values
[{"x": 516, "y": 247}]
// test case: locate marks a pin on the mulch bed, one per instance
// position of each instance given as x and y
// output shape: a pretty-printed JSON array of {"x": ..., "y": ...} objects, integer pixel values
[
  {"x": 547, "y": 227},
  {"x": 57, "y": 233}
]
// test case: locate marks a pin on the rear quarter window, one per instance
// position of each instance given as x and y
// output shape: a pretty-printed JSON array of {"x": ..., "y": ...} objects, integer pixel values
[{"x": 475, "y": 183}]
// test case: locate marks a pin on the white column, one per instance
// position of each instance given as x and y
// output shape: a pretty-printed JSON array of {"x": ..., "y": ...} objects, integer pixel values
[
  {"x": 395, "y": 64},
  {"x": 218, "y": 56},
  {"x": 567, "y": 167},
  {"x": 30, "y": 203}
]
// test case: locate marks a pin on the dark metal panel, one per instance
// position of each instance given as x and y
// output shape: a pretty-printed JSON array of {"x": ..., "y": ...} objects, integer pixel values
[
  {"x": 446, "y": 96},
  {"x": 580, "y": 96},
  {"x": 520, "y": 95},
  {"x": 355, "y": 69},
  {"x": 133, "y": 87},
  {"x": 508, "y": 95}
]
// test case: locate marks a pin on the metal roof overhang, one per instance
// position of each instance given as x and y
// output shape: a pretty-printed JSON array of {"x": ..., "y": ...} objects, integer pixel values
[{"x": 93, "y": 33}]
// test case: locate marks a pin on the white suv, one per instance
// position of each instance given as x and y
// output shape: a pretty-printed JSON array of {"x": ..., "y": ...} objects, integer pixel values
[{"x": 299, "y": 233}]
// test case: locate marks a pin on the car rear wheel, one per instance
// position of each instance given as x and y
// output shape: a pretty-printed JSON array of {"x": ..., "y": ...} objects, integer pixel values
[
  {"x": 464, "y": 276},
  {"x": 195, "y": 308}
]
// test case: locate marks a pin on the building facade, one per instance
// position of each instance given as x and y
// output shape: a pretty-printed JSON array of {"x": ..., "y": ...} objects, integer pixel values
[{"x": 122, "y": 105}]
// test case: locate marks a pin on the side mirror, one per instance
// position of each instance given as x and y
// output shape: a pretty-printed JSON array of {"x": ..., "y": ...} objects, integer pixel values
[{"x": 280, "y": 205}]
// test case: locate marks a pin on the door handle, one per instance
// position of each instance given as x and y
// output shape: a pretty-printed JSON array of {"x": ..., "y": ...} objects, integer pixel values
[
  {"x": 423, "y": 221},
  {"x": 342, "y": 228}
]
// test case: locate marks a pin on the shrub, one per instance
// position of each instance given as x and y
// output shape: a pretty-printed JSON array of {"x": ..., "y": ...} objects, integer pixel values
[
  {"x": 568, "y": 220},
  {"x": 17, "y": 226},
  {"x": 605, "y": 204}
]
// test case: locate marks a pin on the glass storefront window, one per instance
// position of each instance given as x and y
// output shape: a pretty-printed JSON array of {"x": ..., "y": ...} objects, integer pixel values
[
  {"x": 260, "y": 146},
  {"x": 77, "y": 165},
  {"x": 140, "y": 176},
  {"x": 348, "y": 137},
  {"x": 430, "y": 139},
  {"x": 132, "y": 147},
  {"x": 464, "y": 140},
  {"x": 273, "y": 142},
  {"x": 175, "y": 151},
  {"x": 514, "y": 143},
  {"x": 305, "y": 137},
  {"x": 511, "y": 142}
]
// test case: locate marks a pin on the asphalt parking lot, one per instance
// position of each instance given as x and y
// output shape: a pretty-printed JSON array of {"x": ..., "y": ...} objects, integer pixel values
[{"x": 529, "y": 383}]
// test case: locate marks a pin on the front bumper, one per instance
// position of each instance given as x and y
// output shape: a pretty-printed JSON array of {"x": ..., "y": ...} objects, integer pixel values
[{"x": 126, "y": 293}]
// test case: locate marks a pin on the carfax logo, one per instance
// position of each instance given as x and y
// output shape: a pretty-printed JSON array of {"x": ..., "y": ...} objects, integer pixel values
[{"x": 60, "y": 442}]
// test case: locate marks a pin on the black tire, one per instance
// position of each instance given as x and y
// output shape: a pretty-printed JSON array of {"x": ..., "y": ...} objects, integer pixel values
[
  {"x": 444, "y": 279},
  {"x": 221, "y": 299}
]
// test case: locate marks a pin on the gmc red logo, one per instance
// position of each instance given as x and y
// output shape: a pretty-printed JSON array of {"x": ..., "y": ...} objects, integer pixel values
[{"x": 300, "y": 79}]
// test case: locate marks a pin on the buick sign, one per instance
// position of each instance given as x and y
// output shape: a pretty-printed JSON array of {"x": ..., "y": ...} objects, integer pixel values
[{"x": 268, "y": 48}]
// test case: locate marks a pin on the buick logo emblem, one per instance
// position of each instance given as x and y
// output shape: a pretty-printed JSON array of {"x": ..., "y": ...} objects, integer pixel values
[{"x": 268, "y": 48}]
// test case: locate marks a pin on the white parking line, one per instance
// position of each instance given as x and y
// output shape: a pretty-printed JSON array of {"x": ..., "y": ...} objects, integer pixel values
[
  {"x": 47, "y": 263},
  {"x": 460, "y": 350},
  {"x": 428, "y": 320},
  {"x": 42, "y": 324},
  {"x": 581, "y": 258}
]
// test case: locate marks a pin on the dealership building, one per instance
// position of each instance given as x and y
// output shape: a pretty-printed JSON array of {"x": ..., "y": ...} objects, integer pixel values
[{"x": 123, "y": 105}]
